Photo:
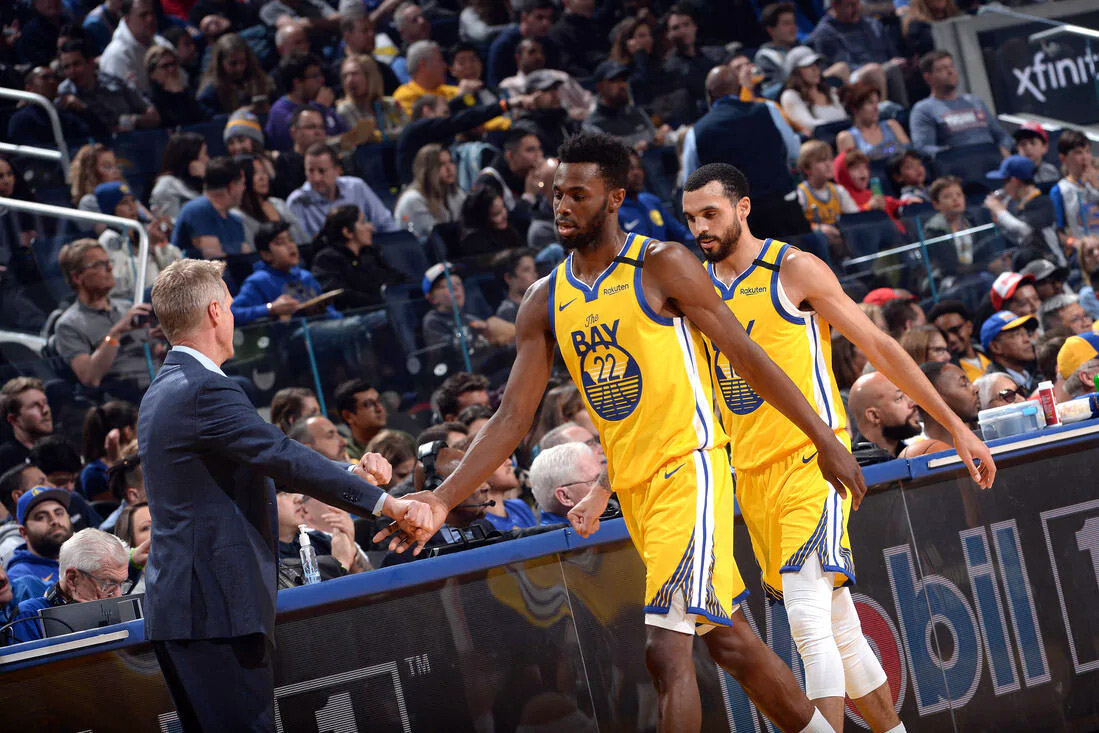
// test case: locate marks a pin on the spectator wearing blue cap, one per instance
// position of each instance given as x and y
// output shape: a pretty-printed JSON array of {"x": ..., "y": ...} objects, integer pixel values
[
  {"x": 1007, "y": 339},
  {"x": 1022, "y": 212},
  {"x": 122, "y": 245},
  {"x": 1078, "y": 363},
  {"x": 92, "y": 565},
  {"x": 439, "y": 326},
  {"x": 43, "y": 517}
]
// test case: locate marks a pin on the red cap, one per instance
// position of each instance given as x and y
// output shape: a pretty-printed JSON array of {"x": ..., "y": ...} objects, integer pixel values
[
  {"x": 881, "y": 296},
  {"x": 1005, "y": 286},
  {"x": 1036, "y": 128}
]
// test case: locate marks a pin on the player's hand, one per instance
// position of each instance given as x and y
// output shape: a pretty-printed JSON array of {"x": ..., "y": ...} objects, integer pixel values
[
  {"x": 970, "y": 447},
  {"x": 584, "y": 517},
  {"x": 417, "y": 517},
  {"x": 841, "y": 470},
  {"x": 374, "y": 468}
]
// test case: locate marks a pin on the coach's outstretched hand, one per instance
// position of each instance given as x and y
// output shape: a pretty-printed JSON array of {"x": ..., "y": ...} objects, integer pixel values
[
  {"x": 418, "y": 525},
  {"x": 841, "y": 470}
]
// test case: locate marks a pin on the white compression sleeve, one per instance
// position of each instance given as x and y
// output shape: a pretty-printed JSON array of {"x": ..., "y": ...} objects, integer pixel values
[
  {"x": 861, "y": 667},
  {"x": 817, "y": 724},
  {"x": 807, "y": 595}
]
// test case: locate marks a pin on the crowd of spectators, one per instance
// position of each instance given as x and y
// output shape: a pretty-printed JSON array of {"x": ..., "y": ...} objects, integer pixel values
[{"x": 379, "y": 179}]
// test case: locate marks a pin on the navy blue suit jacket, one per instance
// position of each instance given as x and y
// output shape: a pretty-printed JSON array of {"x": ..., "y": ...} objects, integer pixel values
[{"x": 209, "y": 460}]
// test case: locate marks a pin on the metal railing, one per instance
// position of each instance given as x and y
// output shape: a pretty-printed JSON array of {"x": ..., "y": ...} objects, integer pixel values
[
  {"x": 61, "y": 212},
  {"x": 61, "y": 155}
]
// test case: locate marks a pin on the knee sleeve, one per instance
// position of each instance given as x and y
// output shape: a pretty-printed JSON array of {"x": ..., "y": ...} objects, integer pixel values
[
  {"x": 807, "y": 595},
  {"x": 861, "y": 668}
]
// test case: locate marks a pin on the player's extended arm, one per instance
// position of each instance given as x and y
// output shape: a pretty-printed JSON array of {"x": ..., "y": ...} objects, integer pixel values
[
  {"x": 805, "y": 277},
  {"x": 687, "y": 286},
  {"x": 500, "y": 435}
]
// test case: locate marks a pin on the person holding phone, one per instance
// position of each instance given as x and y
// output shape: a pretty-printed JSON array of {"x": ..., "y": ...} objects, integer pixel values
[{"x": 102, "y": 338}]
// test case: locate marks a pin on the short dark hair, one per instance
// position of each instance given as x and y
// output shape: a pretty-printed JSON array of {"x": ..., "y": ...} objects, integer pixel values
[
  {"x": 438, "y": 432},
  {"x": 267, "y": 232},
  {"x": 947, "y": 307},
  {"x": 1070, "y": 140},
  {"x": 10, "y": 483},
  {"x": 294, "y": 66},
  {"x": 896, "y": 160},
  {"x": 287, "y": 406},
  {"x": 53, "y": 453},
  {"x": 505, "y": 262},
  {"x": 932, "y": 369},
  {"x": 295, "y": 116},
  {"x": 220, "y": 172},
  {"x": 522, "y": 7},
  {"x": 732, "y": 181},
  {"x": 609, "y": 153},
  {"x": 927, "y": 61},
  {"x": 457, "y": 48},
  {"x": 474, "y": 412},
  {"x": 322, "y": 148},
  {"x": 344, "y": 398},
  {"x": 75, "y": 46},
  {"x": 897, "y": 313},
  {"x": 680, "y": 9},
  {"x": 124, "y": 474},
  {"x": 769, "y": 15},
  {"x": 446, "y": 396},
  {"x": 515, "y": 136}
]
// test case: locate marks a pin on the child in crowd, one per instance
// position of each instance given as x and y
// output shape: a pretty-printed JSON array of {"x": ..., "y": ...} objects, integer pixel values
[
  {"x": 121, "y": 244},
  {"x": 1076, "y": 196},
  {"x": 967, "y": 257},
  {"x": 279, "y": 285},
  {"x": 821, "y": 199},
  {"x": 907, "y": 172},
  {"x": 1033, "y": 142},
  {"x": 852, "y": 171}
]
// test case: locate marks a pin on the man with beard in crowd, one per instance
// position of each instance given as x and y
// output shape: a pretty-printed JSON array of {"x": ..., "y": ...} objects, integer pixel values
[
  {"x": 44, "y": 523},
  {"x": 885, "y": 415},
  {"x": 959, "y": 393},
  {"x": 24, "y": 406},
  {"x": 618, "y": 308}
]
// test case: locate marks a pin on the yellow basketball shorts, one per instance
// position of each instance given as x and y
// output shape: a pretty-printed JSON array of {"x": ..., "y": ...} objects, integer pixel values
[
  {"x": 793, "y": 514},
  {"x": 681, "y": 523}
]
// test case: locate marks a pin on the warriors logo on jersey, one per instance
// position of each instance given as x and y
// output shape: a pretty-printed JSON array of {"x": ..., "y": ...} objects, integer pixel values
[
  {"x": 610, "y": 377},
  {"x": 739, "y": 397}
]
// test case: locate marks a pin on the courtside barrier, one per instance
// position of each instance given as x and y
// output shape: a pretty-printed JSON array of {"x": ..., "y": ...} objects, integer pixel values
[{"x": 981, "y": 605}]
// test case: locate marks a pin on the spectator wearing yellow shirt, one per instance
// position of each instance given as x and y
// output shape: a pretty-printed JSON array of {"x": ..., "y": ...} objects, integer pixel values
[{"x": 427, "y": 72}]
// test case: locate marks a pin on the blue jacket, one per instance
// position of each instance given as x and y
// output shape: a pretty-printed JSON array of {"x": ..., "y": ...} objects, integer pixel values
[
  {"x": 211, "y": 463},
  {"x": 645, "y": 215},
  {"x": 40, "y": 572},
  {"x": 28, "y": 630},
  {"x": 549, "y": 518},
  {"x": 519, "y": 516},
  {"x": 267, "y": 284}
]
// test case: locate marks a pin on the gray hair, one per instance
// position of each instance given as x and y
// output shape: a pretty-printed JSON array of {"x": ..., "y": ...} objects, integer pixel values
[
  {"x": 284, "y": 32},
  {"x": 555, "y": 467},
  {"x": 557, "y": 436},
  {"x": 1074, "y": 386},
  {"x": 985, "y": 384},
  {"x": 1049, "y": 309},
  {"x": 183, "y": 291},
  {"x": 419, "y": 52},
  {"x": 399, "y": 14},
  {"x": 90, "y": 549}
]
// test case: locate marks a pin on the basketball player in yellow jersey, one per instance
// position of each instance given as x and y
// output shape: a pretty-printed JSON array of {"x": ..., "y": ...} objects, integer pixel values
[
  {"x": 786, "y": 300},
  {"x": 623, "y": 310}
]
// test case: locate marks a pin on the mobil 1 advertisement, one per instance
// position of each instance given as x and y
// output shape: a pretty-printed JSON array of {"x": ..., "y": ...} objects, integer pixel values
[
  {"x": 1055, "y": 77},
  {"x": 982, "y": 606}
]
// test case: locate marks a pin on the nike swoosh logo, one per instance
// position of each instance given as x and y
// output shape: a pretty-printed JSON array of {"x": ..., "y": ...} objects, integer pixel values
[
  {"x": 671, "y": 473},
  {"x": 632, "y": 224},
  {"x": 809, "y": 457},
  {"x": 565, "y": 305}
]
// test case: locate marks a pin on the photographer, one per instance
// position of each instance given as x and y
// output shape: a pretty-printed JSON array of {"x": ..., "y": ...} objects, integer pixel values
[{"x": 102, "y": 338}]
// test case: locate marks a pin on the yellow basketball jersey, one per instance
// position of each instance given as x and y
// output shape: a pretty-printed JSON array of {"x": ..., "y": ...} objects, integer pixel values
[
  {"x": 643, "y": 376},
  {"x": 818, "y": 211},
  {"x": 797, "y": 341}
]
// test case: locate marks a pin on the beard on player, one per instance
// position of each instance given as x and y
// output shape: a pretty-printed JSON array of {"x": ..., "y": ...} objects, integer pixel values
[
  {"x": 578, "y": 235},
  {"x": 716, "y": 246}
]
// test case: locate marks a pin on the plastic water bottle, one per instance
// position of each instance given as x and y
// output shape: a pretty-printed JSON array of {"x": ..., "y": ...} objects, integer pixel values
[{"x": 308, "y": 553}]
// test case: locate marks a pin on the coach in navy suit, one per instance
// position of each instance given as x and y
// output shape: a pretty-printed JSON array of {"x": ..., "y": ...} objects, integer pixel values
[{"x": 209, "y": 461}]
